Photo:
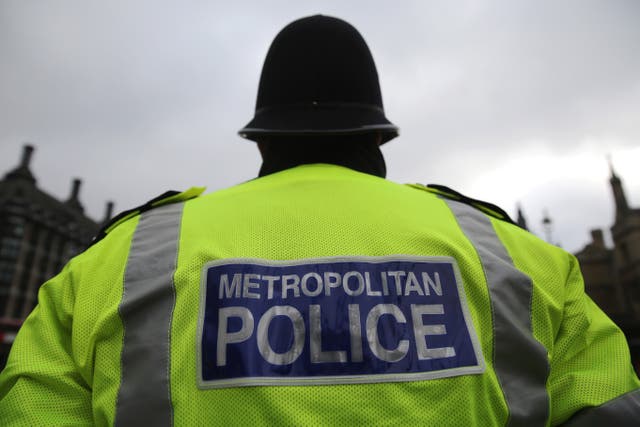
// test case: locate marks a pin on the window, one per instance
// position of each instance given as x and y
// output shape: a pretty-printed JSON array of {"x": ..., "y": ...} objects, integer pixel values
[
  {"x": 10, "y": 247},
  {"x": 6, "y": 274},
  {"x": 16, "y": 225},
  {"x": 17, "y": 308}
]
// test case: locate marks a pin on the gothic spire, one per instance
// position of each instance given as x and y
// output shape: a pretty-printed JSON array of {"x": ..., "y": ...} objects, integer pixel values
[
  {"x": 521, "y": 220},
  {"x": 620, "y": 199},
  {"x": 23, "y": 172}
]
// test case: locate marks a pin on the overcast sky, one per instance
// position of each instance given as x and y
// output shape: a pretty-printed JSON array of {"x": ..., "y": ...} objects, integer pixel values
[{"x": 506, "y": 101}]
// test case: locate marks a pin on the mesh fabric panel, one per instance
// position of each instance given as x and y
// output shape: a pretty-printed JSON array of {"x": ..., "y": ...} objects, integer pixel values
[
  {"x": 64, "y": 367},
  {"x": 590, "y": 362},
  {"x": 320, "y": 211}
]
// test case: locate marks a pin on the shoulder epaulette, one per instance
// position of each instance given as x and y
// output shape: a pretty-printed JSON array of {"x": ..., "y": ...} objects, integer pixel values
[
  {"x": 161, "y": 200},
  {"x": 486, "y": 207}
]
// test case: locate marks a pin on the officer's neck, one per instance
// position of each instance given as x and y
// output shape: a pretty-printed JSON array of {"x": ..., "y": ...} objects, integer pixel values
[{"x": 362, "y": 156}]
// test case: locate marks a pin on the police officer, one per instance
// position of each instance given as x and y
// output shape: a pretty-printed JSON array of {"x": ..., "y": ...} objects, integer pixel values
[{"x": 319, "y": 293}]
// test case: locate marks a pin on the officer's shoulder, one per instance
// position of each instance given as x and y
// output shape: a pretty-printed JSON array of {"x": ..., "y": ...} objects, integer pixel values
[
  {"x": 486, "y": 207},
  {"x": 166, "y": 198}
]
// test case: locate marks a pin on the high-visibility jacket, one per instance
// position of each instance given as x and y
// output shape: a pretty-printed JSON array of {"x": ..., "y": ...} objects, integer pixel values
[{"x": 318, "y": 296}]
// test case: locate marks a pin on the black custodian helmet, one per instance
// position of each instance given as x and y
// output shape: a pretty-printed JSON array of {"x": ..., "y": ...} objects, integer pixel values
[{"x": 319, "y": 78}]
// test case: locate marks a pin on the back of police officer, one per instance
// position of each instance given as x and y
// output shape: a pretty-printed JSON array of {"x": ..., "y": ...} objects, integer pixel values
[{"x": 320, "y": 293}]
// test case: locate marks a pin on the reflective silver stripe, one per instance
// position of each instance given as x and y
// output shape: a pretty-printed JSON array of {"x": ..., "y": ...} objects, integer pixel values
[
  {"x": 144, "y": 397},
  {"x": 621, "y": 411},
  {"x": 520, "y": 361}
]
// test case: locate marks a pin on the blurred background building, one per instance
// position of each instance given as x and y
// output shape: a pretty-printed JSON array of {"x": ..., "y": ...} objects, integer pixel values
[
  {"x": 39, "y": 234},
  {"x": 612, "y": 274}
]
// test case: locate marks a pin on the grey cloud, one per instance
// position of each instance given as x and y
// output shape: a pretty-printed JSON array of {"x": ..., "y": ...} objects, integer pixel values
[{"x": 138, "y": 97}]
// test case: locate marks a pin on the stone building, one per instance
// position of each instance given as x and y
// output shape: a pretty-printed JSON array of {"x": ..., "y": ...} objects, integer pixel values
[
  {"x": 612, "y": 274},
  {"x": 38, "y": 235}
]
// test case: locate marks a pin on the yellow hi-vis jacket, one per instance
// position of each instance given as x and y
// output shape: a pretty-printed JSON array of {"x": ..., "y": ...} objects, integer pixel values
[{"x": 318, "y": 296}]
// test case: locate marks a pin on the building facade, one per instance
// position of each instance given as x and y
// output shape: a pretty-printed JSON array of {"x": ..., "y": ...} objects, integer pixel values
[
  {"x": 38, "y": 235},
  {"x": 612, "y": 274}
]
